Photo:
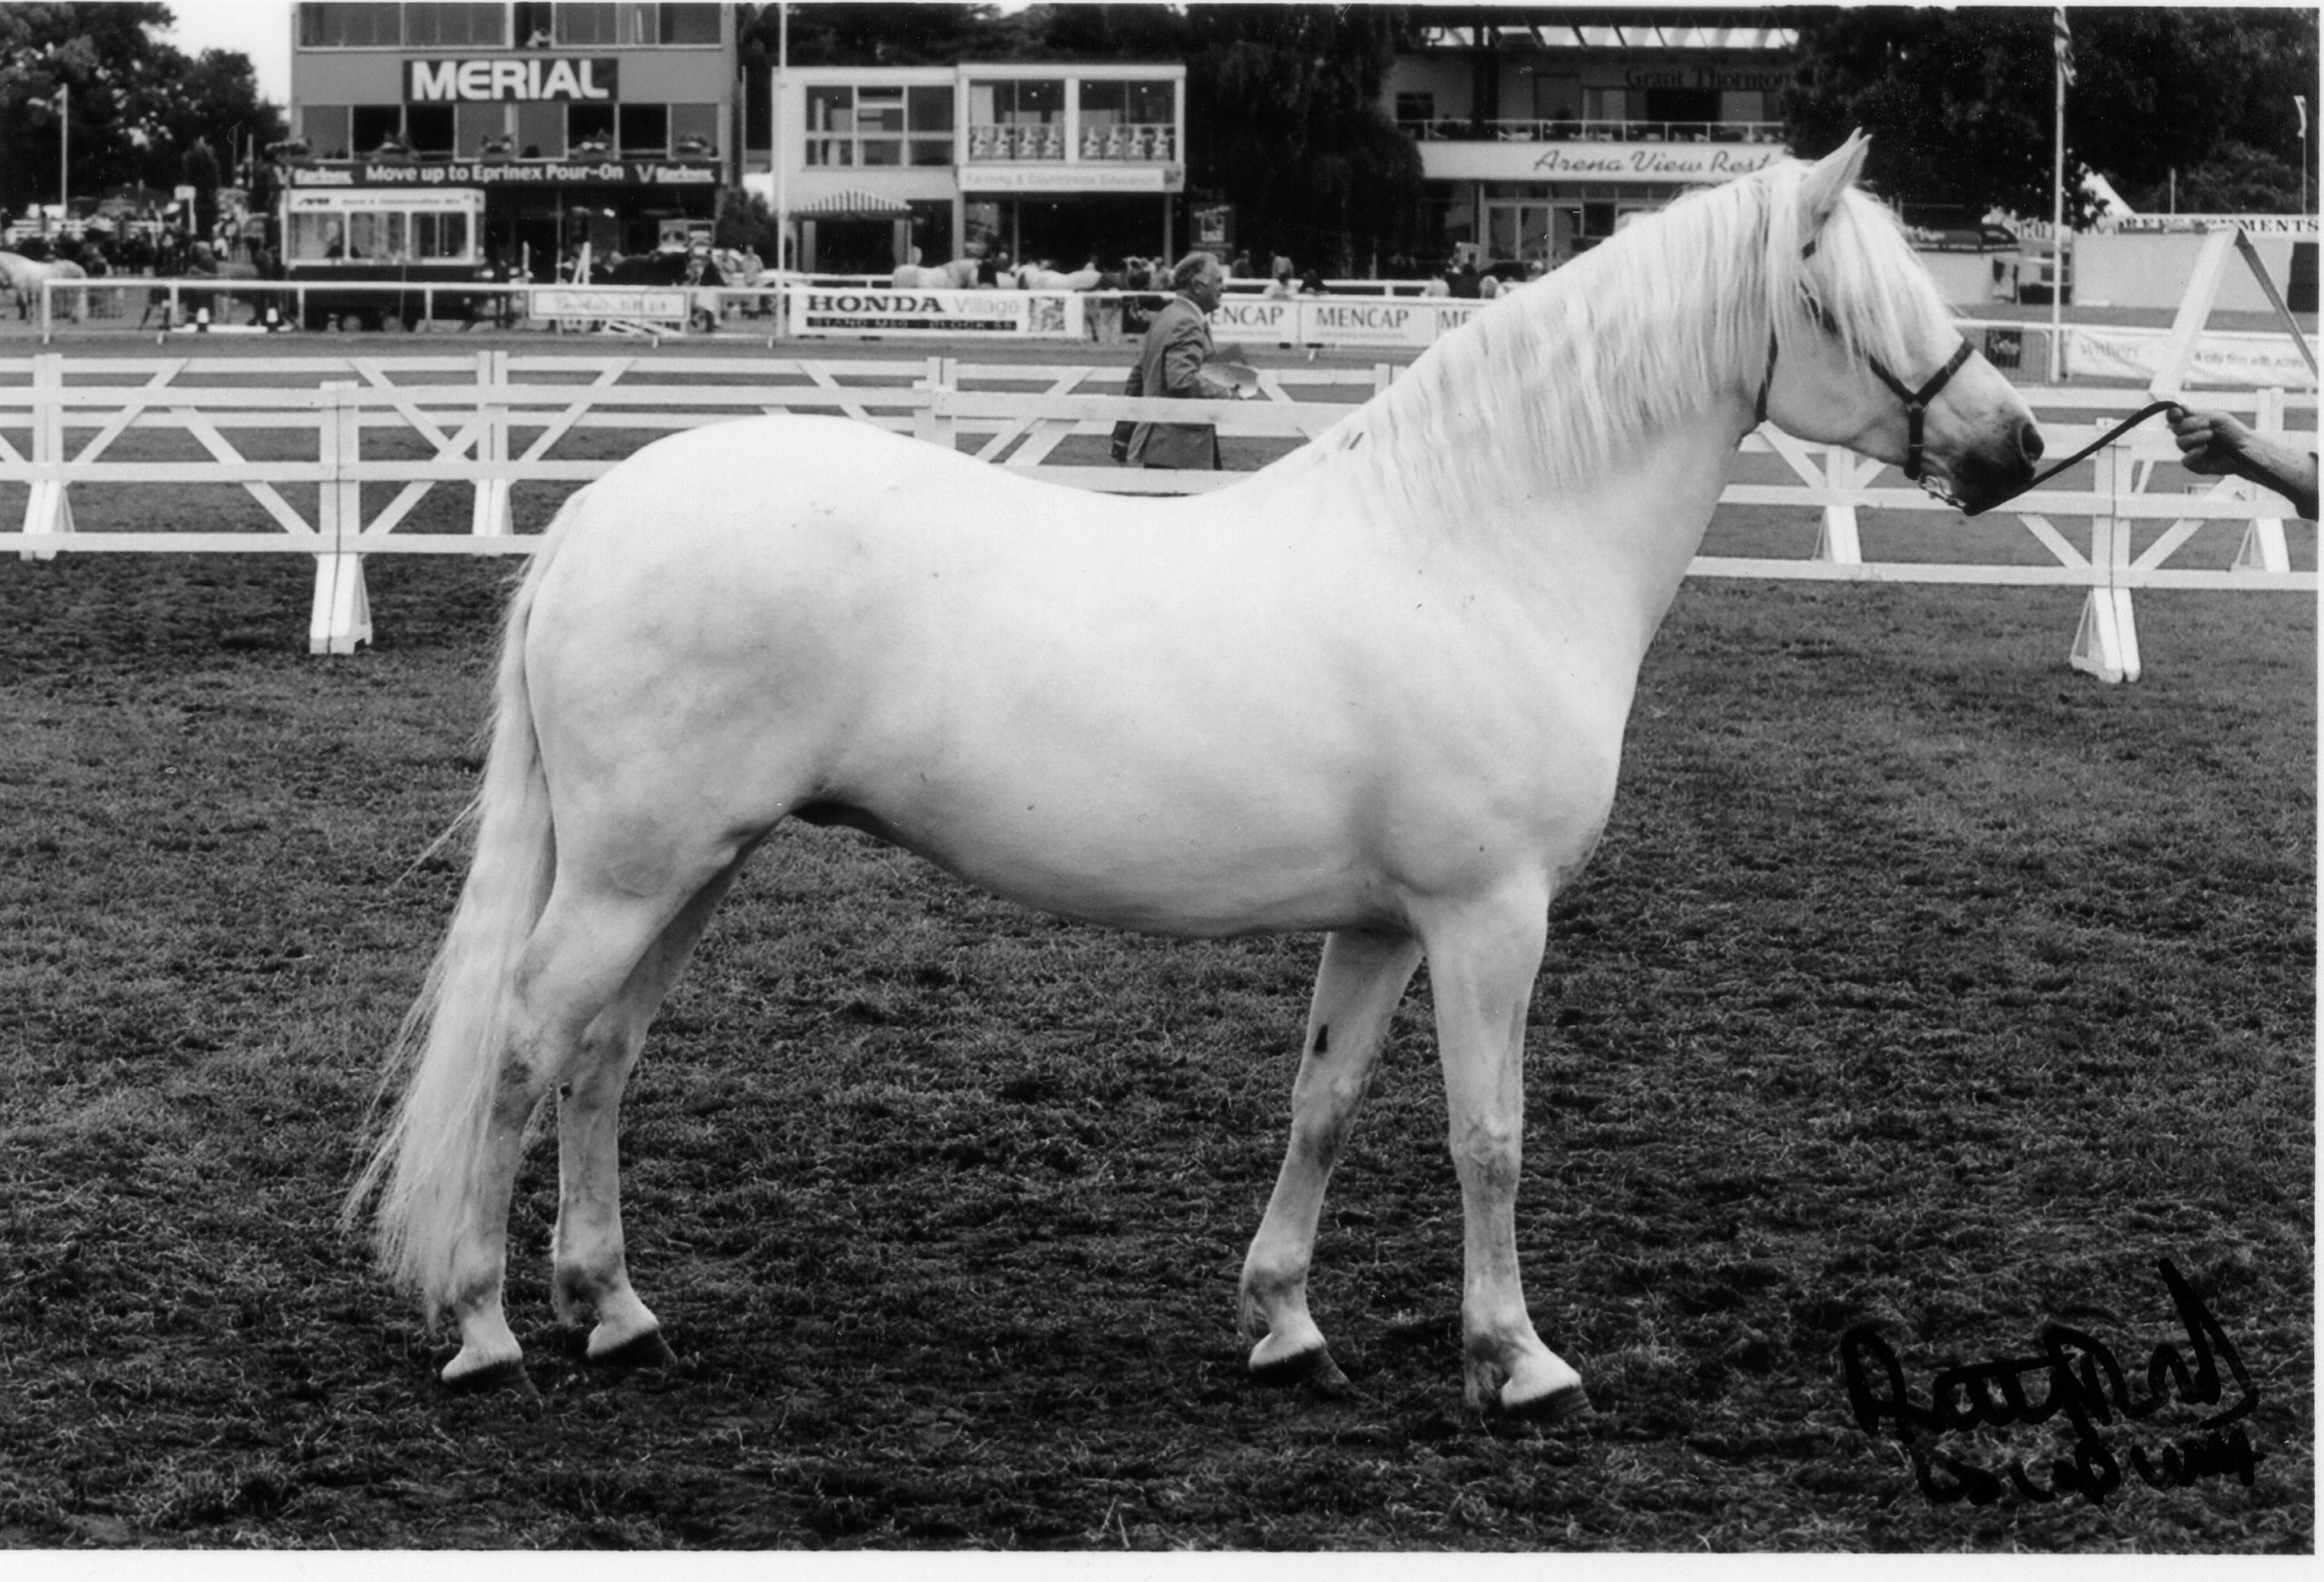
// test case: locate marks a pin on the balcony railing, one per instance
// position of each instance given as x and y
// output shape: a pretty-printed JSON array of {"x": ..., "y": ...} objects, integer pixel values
[
  {"x": 1541, "y": 131},
  {"x": 1130, "y": 140},
  {"x": 1122, "y": 142},
  {"x": 1016, "y": 143}
]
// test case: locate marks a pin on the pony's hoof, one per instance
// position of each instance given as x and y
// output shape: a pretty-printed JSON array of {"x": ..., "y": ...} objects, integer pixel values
[
  {"x": 1561, "y": 1405},
  {"x": 509, "y": 1375},
  {"x": 1313, "y": 1367},
  {"x": 648, "y": 1349}
]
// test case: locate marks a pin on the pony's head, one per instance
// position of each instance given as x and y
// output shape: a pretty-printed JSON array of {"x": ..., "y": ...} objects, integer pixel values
[{"x": 1861, "y": 351}]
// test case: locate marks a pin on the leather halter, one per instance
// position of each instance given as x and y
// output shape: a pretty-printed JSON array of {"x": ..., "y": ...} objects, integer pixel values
[{"x": 1915, "y": 401}]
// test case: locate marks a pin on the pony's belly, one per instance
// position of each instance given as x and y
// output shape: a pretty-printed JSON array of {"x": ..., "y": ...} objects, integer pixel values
[{"x": 1126, "y": 870}]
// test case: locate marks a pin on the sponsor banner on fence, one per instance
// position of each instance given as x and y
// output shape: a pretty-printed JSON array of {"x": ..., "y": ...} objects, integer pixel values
[
  {"x": 1039, "y": 315},
  {"x": 2240, "y": 361},
  {"x": 609, "y": 302},
  {"x": 1394, "y": 322},
  {"x": 1340, "y": 320}
]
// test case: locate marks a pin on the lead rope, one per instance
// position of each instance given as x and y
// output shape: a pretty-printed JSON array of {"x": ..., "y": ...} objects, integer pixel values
[{"x": 2099, "y": 444}]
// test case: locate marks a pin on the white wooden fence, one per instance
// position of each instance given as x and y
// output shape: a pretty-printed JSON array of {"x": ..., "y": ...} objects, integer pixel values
[{"x": 488, "y": 421}]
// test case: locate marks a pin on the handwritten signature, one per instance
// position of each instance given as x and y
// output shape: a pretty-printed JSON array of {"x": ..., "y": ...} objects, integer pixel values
[{"x": 2086, "y": 1385}]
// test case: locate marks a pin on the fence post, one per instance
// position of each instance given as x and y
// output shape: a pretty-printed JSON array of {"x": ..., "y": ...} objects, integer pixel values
[
  {"x": 48, "y": 509},
  {"x": 935, "y": 422},
  {"x": 1838, "y": 541},
  {"x": 341, "y": 617},
  {"x": 2106, "y": 644},
  {"x": 491, "y": 518},
  {"x": 2263, "y": 540}
]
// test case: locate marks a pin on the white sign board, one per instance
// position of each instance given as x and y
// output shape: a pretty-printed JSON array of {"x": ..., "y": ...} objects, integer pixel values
[
  {"x": 620, "y": 302},
  {"x": 2228, "y": 360},
  {"x": 1686, "y": 162},
  {"x": 1411, "y": 321},
  {"x": 1072, "y": 178},
  {"x": 877, "y": 311}
]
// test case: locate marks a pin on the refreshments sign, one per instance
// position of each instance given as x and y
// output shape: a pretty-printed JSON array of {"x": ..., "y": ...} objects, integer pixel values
[{"x": 501, "y": 79}]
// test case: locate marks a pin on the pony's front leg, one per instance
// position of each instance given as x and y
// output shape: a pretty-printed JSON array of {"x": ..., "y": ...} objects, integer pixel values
[
  {"x": 1482, "y": 959},
  {"x": 1356, "y": 990}
]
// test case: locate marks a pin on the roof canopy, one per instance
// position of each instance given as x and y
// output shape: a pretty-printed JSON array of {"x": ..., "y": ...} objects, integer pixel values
[{"x": 852, "y": 205}]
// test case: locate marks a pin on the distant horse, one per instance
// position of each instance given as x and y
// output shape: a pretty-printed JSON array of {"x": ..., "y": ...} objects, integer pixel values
[
  {"x": 1378, "y": 688},
  {"x": 22, "y": 278},
  {"x": 959, "y": 275},
  {"x": 1041, "y": 278}
]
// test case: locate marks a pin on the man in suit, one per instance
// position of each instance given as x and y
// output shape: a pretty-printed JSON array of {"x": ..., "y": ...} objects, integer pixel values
[{"x": 1170, "y": 363}]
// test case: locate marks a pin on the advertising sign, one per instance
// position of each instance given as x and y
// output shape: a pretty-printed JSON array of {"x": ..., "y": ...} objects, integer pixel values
[
  {"x": 611, "y": 173},
  {"x": 2229, "y": 360},
  {"x": 1686, "y": 162},
  {"x": 1073, "y": 178},
  {"x": 625, "y": 304},
  {"x": 502, "y": 78},
  {"x": 1397, "y": 321},
  {"x": 2301, "y": 226},
  {"x": 1038, "y": 315}
]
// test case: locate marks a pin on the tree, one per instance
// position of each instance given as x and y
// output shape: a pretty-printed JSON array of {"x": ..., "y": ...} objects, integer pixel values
[
  {"x": 1960, "y": 103},
  {"x": 136, "y": 102},
  {"x": 1284, "y": 119}
]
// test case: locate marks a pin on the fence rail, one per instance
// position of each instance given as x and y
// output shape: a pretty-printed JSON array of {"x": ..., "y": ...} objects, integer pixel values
[{"x": 491, "y": 421}]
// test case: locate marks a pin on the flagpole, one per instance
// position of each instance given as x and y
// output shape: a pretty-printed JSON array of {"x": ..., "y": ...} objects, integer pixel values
[
  {"x": 2058, "y": 222},
  {"x": 781, "y": 175}
]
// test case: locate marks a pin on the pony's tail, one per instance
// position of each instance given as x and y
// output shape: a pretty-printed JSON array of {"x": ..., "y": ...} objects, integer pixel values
[{"x": 431, "y": 1167}]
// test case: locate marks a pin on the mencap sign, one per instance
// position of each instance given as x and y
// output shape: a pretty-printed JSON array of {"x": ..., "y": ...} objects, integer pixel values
[{"x": 502, "y": 79}]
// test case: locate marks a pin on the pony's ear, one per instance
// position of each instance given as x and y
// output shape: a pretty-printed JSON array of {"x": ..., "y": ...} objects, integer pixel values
[{"x": 1827, "y": 180}]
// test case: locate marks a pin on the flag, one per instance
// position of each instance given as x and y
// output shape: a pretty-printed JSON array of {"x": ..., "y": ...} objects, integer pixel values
[
  {"x": 2062, "y": 41},
  {"x": 2300, "y": 102}
]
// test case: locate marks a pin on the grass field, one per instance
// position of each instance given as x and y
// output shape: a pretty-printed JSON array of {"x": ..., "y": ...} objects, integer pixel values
[{"x": 1920, "y": 983}]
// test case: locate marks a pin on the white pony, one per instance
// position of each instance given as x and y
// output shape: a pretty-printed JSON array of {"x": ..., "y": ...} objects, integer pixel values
[
  {"x": 959, "y": 275},
  {"x": 22, "y": 276},
  {"x": 1377, "y": 689},
  {"x": 1041, "y": 278}
]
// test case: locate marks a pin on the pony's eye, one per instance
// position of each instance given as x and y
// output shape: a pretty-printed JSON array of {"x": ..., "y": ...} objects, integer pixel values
[{"x": 1821, "y": 314}]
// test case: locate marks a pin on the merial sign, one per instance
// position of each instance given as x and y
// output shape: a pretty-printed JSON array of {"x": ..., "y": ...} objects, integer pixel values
[{"x": 492, "y": 81}]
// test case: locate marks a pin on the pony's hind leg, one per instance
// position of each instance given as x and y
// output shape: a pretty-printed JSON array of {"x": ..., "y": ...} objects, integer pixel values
[
  {"x": 591, "y": 1271},
  {"x": 1362, "y": 978},
  {"x": 583, "y": 948}
]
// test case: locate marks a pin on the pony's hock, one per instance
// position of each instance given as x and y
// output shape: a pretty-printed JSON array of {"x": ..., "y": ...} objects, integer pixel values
[{"x": 1377, "y": 690}]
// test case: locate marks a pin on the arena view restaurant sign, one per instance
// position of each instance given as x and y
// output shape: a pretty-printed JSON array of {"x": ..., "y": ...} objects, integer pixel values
[
  {"x": 501, "y": 79},
  {"x": 603, "y": 172},
  {"x": 1676, "y": 162}
]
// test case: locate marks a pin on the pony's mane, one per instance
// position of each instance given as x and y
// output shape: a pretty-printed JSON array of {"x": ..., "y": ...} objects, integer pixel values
[{"x": 1544, "y": 391}]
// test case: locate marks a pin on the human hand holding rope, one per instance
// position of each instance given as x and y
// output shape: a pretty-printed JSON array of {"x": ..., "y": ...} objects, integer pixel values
[{"x": 2216, "y": 444}]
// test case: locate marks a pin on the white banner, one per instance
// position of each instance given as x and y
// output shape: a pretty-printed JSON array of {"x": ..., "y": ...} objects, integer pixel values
[
  {"x": 1411, "y": 321},
  {"x": 646, "y": 305},
  {"x": 877, "y": 311},
  {"x": 2236, "y": 361},
  {"x": 1394, "y": 322}
]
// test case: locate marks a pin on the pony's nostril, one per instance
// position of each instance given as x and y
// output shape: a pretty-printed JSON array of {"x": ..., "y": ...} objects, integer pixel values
[{"x": 2029, "y": 441}]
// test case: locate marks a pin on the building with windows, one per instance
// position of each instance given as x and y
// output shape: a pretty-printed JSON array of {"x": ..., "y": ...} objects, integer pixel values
[
  {"x": 1538, "y": 138},
  {"x": 1061, "y": 162},
  {"x": 609, "y": 124}
]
